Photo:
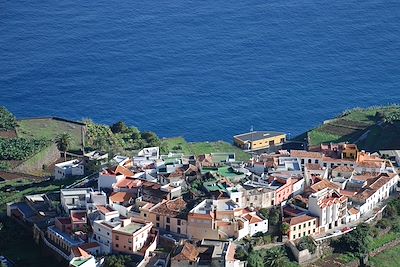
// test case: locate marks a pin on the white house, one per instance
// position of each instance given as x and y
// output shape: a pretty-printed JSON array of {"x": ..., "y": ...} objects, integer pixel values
[
  {"x": 330, "y": 206},
  {"x": 68, "y": 169},
  {"x": 373, "y": 190}
]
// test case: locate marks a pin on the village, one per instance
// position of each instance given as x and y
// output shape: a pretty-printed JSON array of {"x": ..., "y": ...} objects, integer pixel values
[{"x": 175, "y": 209}]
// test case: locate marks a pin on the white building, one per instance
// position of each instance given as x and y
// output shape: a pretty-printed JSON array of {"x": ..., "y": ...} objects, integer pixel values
[
  {"x": 330, "y": 206},
  {"x": 373, "y": 189},
  {"x": 68, "y": 169},
  {"x": 81, "y": 199}
]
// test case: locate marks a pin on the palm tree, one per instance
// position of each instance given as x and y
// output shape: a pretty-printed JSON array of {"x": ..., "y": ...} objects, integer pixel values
[
  {"x": 275, "y": 257},
  {"x": 63, "y": 142}
]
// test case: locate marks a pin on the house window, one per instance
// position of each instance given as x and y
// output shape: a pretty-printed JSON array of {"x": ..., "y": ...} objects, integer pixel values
[
  {"x": 294, "y": 236},
  {"x": 116, "y": 245},
  {"x": 294, "y": 228},
  {"x": 309, "y": 223},
  {"x": 168, "y": 220},
  {"x": 130, "y": 248},
  {"x": 309, "y": 231},
  {"x": 129, "y": 241},
  {"x": 272, "y": 142},
  {"x": 157, "y": 217},
  {"x": 145, "y": 215},
  {"x": 299, "y": 226},
  {"x": 108, "y": 233},
  {"x": 116, "y": 237},
  {"x": 309, "y": 160},
  {"x": 178, "y": 230},
  {"x": 179, "y": 222},
  {"x": 167, "y": 227},
  {"x": 157, "y": 225}
]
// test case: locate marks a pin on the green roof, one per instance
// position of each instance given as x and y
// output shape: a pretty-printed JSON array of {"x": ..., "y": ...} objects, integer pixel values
[{"x": 79, "y": 262}]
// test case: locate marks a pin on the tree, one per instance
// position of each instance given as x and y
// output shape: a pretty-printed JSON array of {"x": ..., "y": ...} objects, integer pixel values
[
  {"x": 255, "y": 259},
  {"x": 151, "y": 138},
  {"x": 7, "y": 119},
  {"x": 63, "y": 142},
  {"x": 119, "y": 127},
  {"x": 275, "y": 257},
  {"x": 307, "y": 242},
  {"x": 285, "y": 228},
  {"x": 356, "y": 242}
]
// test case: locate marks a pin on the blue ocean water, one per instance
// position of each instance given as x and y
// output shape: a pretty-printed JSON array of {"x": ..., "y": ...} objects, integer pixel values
[{"x": 202, "y": 69}]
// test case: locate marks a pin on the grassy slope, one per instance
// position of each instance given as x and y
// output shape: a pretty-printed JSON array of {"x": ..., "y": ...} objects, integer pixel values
[
  {"x": 380, "y": 137},
  {"x": 25, "y": 187},
  {"x": 389, "y": 258},
  {"x": 48, "y": 129},
  {"x": 180, "y": 145}
]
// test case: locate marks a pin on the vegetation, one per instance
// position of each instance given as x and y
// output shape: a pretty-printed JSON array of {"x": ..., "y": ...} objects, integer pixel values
[
  {"x": 273, "y": 215},
  {"x": 180, "y": 145},
  {"x": 49, "y": 129},
  {"x": 386, "y": 259},
  {"x": 18, "y": 245},
  {"x": 307, "y": 242},
  {"x": 119, "y": 261},
  {"x": 63, "y": 142},
  {"x": 357, "y": 241},
  {"x": 15, "y": 190},
  {"x": 119, "y": 138},
  {"x": 20, "y": 148},
  {"x": 381, "y": 125},
  {"x": 285, "y": 227},
  {"x": 7, "y": 120},
  {"x": 275, "y": 257},
  {"x": 4, "y": 166}
]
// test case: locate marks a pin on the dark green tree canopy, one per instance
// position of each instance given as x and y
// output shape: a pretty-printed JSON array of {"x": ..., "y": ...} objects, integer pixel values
[{"x": 7, "y": 119}]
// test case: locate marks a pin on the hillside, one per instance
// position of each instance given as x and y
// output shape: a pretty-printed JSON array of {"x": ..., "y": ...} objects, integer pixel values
[{"x": 374, "y": 128}]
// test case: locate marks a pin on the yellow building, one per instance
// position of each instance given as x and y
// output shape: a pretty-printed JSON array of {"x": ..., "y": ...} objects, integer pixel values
[
  {"x": 259, "y": 140},
  {"x": 301, "y": 226}
]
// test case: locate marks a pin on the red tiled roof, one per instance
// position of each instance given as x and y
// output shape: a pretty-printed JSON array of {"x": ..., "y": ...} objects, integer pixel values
[
  {"x": 79, "y": 252},
  {"x": 305, "y": 154},
  {"x": 121, "y": 197},
  {"x": 188, "y": 252},
  {"x": 300, "y": 219},
  {"x": 104, "y": 209},
  {"x": 78, "y": 216}
]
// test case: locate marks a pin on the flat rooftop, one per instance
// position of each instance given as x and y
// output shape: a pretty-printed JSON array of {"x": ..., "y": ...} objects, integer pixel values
[
  {"x": 131, "y": 228},
  {"x": 257, "y": 135}
]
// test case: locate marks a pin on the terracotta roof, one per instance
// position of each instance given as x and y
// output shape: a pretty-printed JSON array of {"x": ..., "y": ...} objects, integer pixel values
[
  {"x": 129, "y": 183},
  {"x": 300, "y": 219},
  {"x": 305, "y": 154},
  {"x": 104, "y": 209},
  {"x": 187, "y": 252},
  {"x": 230, "y": 254},
  {"x": 343, "y": 169},
  {"x": 78, "y": 216},
  {"x": 353, "y": 211},
  {"x": 121, "y": 197},
  {"x": 252, "y": 218},
  {"x": 324, "y": 184},
  {"x": 313, "y": 166},
  {"x": 172, "y": 208},
  {"x": 79, "y": 252},
  {"x": 120, "y": 170}
]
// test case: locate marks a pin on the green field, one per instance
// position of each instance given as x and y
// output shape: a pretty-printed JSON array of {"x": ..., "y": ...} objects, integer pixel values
[
  {"x": 180, "y": 145},
  {"x": 351, "y": 125},
  {"x": 48, "y": 129},
  {"x": 389, "y": 258}
]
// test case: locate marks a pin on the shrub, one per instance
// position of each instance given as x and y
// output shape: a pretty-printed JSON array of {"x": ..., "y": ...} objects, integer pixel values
[
  {"x": 307, "y": 242},
  {"x": 7, "y": 119},
  {"x": 20, "y": 148}
]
